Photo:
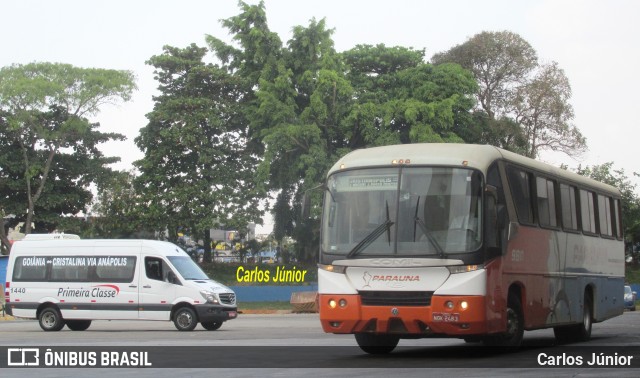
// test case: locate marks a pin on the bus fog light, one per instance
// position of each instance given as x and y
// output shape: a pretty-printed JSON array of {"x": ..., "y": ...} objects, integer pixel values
[
  {"x": 335, "y": 324},
  {"x": 332, "y": 303},
  {"x": 464, "y": 305},
  {"x": 448, "y": 304},
  {"x": 342, "y": 302}
]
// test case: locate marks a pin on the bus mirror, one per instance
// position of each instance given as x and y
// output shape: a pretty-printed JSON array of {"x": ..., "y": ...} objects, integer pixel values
[
  {"x": 493, "y": 192},
  {"x": 513, "y": 230}
]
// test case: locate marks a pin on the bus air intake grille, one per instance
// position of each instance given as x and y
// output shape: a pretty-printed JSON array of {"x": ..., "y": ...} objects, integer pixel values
[
  {"x": 227, "y": 298},
  {"x": 396, "y": 298}
]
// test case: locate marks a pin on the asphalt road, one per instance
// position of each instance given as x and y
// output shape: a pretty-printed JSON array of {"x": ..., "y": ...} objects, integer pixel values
[{"x": 294, "y": 345}]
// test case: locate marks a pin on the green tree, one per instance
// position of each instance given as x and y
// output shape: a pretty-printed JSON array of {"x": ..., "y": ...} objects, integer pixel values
[
  {"x": 48, "y": 148},
  {"x": 542, "y": 108},
  {"x": 196, "y": 173},
  {"x": 524, "y": 107},
  {"x": 499, "y": 61},
  {"x": 308, "y": 105},
  {"x": 118, "y": 211}
]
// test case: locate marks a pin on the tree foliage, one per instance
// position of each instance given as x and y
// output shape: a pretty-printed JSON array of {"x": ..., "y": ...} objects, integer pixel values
[
  {"x": 196, "y": 173},
  {"x": 524, "y": 107},
  {"x": 48, "y": 148},
  {"x": 307, "y": 105}
]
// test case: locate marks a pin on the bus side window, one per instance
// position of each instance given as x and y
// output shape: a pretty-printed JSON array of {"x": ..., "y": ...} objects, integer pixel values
[
  {"x": 604, "y": 215},
  {"x": 495, "y": 214},
  {"x": 587, "y": 212},
  {"x": 520, "y": 182},
  {"x": 617, "y": 218},
  {"x": 546, "y": 201},
  {"x": 569, "y": 209}
]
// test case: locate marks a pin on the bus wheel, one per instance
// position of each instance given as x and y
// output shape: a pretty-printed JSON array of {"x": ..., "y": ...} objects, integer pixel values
[
  {"x": 211, "y": 326},
  {"x": 376, "y": 344},
  {"x": 515, "y": 327},
  {"x": 185, "y": 319},
  {"x": 78, "y": 325},
  {"x": 584, "y": 330},
  {"x": 577, "y": 332},
  {"x": 50, "y": 319}
]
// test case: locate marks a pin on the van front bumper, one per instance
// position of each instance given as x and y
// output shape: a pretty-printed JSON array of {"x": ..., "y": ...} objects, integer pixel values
[{"x": 215, "y": 313}]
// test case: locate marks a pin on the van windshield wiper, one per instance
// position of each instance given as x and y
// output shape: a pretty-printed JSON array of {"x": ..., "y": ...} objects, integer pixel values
[
  {"x": 373, "y": 235},
  {"x": 417, "y": 221}
]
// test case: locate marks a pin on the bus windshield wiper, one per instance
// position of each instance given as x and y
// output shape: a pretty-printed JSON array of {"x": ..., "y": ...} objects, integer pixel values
[
  {"x": 417, "y": 221},
  {"x": 373, "y": 235}
]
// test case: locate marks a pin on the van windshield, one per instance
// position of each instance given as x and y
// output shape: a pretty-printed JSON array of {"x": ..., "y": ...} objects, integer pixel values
[{"x": 187, "y": 268}]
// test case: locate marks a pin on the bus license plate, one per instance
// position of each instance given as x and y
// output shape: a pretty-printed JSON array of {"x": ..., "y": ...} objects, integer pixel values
[{"x": 443, "y": 317}]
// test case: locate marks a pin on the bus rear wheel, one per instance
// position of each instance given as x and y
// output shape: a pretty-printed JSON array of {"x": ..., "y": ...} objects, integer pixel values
[
  {"x": 376, "y": 344},
  {"x": 50, "y": 319},
  {"x": 577, "y": 332}
]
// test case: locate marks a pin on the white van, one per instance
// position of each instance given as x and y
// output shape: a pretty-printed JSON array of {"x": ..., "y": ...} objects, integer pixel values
[{"x": 61, "y": 281}]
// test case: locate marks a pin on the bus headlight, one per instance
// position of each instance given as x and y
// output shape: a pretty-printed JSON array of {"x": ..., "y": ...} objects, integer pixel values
[
  {"x": 464, "y": 268},
  {"x": 333, "y": 268},
  {"x": 209, "y": 297}
]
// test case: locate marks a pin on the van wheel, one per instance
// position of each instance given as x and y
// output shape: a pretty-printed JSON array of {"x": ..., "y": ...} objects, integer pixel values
[
  {"x": 211, "y": 326},
  {"x": 78, "y": 325},
  {"x": 50, "y": 319},
  {"x": 185, "y": 319},
  {"x": 376, "y": 344}
]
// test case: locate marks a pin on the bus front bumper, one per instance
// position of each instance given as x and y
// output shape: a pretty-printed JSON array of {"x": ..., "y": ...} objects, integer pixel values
[{"x": 447, "y": 315}]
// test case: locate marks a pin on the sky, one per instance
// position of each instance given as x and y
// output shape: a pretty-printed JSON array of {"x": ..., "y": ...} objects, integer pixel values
[{"x": 595, "y": 42}]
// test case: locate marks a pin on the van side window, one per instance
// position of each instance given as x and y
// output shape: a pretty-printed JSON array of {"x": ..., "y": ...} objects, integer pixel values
[
  {"x": 158, "y": 269},
  {"x": 115, "y": 269},
  {"x": 153, "y": 267},
  {"x": 30, "y": 268}
]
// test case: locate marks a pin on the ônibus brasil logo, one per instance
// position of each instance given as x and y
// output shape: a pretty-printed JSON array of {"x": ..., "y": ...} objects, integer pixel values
[{"x": 97, "y": 291}]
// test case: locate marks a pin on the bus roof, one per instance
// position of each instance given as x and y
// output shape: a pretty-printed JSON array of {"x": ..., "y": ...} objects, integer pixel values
[{"x": 457, "y": 155}]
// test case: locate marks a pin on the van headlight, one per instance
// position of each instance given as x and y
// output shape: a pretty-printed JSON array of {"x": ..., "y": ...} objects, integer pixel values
[{"x": 210, "y": 297}]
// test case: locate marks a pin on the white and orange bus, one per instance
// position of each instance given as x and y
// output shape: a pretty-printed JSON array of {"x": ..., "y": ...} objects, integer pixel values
[{"x": 465, "y": 241}]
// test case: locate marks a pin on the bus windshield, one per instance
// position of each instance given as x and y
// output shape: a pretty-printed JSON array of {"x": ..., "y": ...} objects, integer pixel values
[{"x": 405, "y": 211}]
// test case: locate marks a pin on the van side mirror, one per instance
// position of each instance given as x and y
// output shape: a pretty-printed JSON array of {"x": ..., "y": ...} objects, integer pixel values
[{"x": 172, "y": 278}]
